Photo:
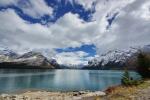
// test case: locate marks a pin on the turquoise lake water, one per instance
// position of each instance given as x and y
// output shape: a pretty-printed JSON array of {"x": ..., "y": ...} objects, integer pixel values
[{"x": 59, "y": 80}]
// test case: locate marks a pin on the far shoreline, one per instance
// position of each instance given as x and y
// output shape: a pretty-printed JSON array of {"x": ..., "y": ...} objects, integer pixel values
[{"x": 19, "y": 68}]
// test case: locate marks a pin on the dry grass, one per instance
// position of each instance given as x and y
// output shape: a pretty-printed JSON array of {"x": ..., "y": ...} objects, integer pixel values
[{"x": 124, "y": 93}]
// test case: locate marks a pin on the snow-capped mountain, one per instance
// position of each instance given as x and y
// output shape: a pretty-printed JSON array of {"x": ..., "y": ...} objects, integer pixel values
[
  {"x": 28, "y": 60},
  {"x": 7, "y": 55},
  {"x": 7, "y": 52},
  {"x": 113, "y": 56},
  {"x": 33, "y": 59},
  {"x": 116, "y": 58}
]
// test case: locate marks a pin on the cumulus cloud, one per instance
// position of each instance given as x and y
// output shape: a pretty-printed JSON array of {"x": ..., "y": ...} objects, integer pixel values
[
  {"x": 7, "y": 2},
  {"x": 86, "y": 3},
  {"x": 130, "y": 28},
  {"x": 72, "y": 58},
  {"x": 33, "y": 8},
  {"x": 36, "y": 8},
  {"x": 18, "y": 34}
]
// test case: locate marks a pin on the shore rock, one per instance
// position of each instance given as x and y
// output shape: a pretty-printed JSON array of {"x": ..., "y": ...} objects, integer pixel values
[{"x": 43, "y": 95}]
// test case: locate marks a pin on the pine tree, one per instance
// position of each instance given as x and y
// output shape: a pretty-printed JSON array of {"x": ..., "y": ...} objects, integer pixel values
[
  {"x": 126, "y": 79},
  {"x": 143, "y": 65}
]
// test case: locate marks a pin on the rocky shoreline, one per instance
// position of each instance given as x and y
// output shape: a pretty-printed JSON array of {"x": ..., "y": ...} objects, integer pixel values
[
  {"x": 45, "y": 95},
  {"x": 139, "y": 92}
]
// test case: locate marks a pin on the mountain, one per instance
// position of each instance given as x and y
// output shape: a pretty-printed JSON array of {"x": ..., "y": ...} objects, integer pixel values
[
  {"x": 34, "y": 59},
  {"x": 54, "y": 63},
  {"x": 7, "y": 55},
  {"x": 117, "y": 59},
  {"x": 114, "y": 59},
  {"x": 7, "y": 52},
  {"x": 27, "y": 60}
]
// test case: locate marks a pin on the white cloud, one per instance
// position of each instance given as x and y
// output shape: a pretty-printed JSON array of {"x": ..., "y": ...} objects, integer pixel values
[
  {"x": 7, "y": 2},
  {"x": 33, "y": 8},
  {"x": 70, "y": 58},
  {"x": 19, "y": 35},
  {"x": 130, "y": 28},
  {"x": 86, "y": 3},
  {"x": 143, "y": 11}
]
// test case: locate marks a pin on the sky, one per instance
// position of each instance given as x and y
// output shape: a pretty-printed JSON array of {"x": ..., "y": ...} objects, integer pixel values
[{"x": 73, "y": 31}]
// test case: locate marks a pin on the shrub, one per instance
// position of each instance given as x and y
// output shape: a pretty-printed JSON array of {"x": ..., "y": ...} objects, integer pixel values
[
  {"x": 125, "y": 78},
  {"x": 128, "y": 81}
]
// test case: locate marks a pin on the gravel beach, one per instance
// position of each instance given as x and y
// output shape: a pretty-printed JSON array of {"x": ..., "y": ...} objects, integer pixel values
[{"x": 44, "y": 95}]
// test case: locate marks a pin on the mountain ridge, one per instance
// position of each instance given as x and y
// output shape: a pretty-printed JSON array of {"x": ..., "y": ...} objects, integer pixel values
[
  {"x": 27, "y": 60},
  {"x": 114, "y": 59},
  {"x": 117, "y": 59}
]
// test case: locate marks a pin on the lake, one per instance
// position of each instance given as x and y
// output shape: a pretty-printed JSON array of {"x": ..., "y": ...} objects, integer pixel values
[{"x": 59, "y": 80}]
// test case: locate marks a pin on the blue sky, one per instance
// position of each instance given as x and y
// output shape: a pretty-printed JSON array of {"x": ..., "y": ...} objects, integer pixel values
[
  {"x": 60, "y": 8},
  {"x": 74, "y": 31},
  {"x": 90, "y": 49}
]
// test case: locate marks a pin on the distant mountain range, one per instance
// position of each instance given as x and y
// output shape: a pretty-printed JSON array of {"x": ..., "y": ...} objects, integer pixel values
[
  {"x": 10, "y": 59},
  {"x": 117, "y": 59}
]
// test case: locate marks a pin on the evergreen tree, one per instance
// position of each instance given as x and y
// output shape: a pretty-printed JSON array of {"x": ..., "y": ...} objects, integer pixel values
[
  {"x": 143, "y": 65},
  {"x": 126, "y": 79}
]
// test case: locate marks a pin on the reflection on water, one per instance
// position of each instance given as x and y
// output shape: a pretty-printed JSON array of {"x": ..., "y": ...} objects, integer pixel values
[{"x": 58, "y": 80}]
